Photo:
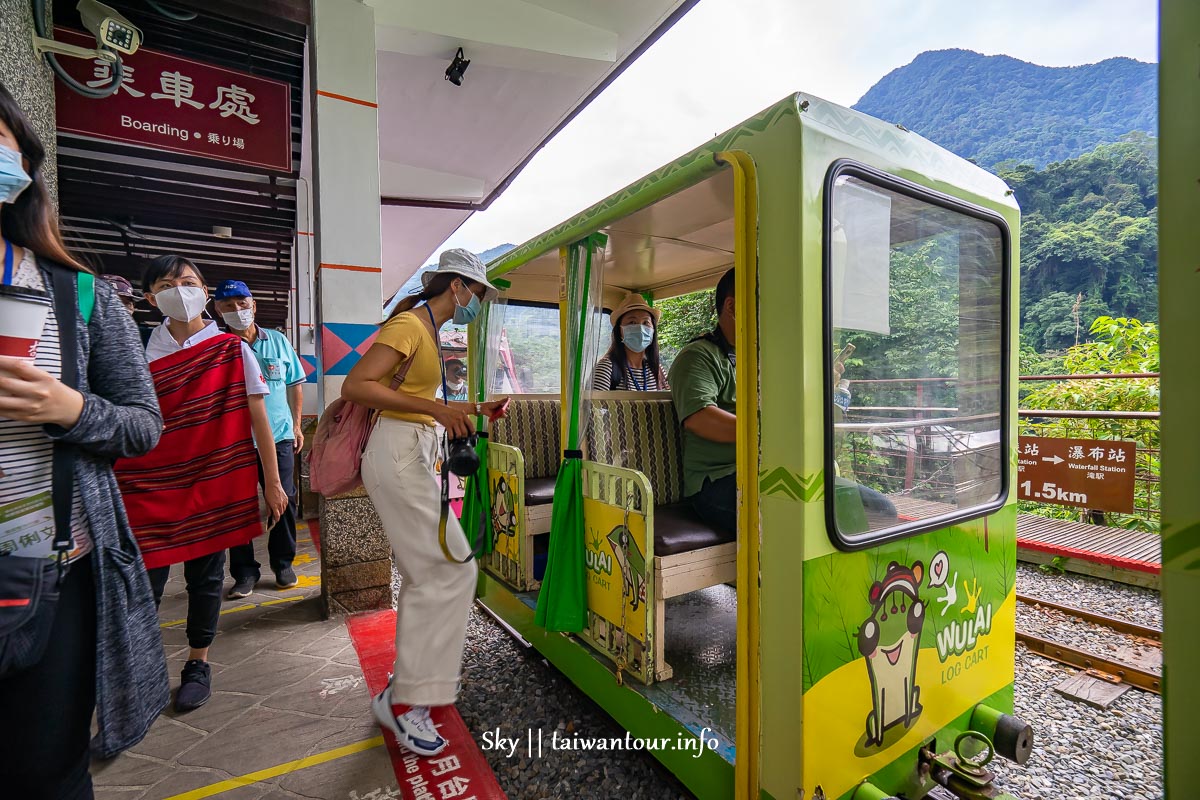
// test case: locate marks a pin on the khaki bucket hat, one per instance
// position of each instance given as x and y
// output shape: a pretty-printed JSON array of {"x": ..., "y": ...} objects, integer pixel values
[{"x": 465, "y": 264}]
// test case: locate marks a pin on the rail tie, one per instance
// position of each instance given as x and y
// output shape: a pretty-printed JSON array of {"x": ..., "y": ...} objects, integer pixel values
[
  {"x": 1075, "y": 657},
  {"x": 1152, "y": 635}
]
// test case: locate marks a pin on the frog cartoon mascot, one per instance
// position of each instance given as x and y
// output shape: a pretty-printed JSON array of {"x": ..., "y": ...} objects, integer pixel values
[
  {"x": 890, "y": 640},
  {"x": 632, "y": 564},
  {"x": 504, "y": 518}
]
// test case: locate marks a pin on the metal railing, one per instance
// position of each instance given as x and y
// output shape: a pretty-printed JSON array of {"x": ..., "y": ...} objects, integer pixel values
[{"x": 922, "y": 449}]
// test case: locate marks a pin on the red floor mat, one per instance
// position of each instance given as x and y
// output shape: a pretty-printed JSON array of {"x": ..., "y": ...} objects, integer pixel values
[
  {"x": 314, "y": 530},
  {"x": 460, "y": 771}
]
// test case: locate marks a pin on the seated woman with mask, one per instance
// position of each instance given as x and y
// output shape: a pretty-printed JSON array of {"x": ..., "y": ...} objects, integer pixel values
[{"x": 632, "y": 363}]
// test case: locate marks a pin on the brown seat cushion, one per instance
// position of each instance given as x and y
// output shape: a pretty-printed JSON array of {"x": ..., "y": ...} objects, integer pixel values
[
  {"x": 677, "y": 529},
  {"x": 539, "y": 491}
]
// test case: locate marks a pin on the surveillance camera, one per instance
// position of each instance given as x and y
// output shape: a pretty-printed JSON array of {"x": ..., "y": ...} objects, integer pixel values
[{"x": 109, "y": 27}]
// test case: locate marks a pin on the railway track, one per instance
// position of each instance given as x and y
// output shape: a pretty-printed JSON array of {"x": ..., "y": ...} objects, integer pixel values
[{"x": 1100, "y": 665}]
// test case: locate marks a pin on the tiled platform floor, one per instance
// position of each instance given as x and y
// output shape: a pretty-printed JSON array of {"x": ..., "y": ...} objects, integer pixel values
[{"x": 286, "y": 686}]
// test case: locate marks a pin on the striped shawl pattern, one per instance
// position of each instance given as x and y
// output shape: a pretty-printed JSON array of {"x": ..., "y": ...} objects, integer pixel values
[{"x": 197, "y": 491}]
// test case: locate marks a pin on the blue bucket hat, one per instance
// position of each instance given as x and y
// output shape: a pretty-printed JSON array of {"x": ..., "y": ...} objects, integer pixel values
[{"x": 229, "y": 289}]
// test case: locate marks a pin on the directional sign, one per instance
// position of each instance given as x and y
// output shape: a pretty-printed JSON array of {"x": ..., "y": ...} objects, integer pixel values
[{"x": 1086, "y": 473}]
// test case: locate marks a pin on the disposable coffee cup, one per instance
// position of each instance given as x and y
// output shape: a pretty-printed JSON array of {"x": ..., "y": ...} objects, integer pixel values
[{"x": 22, "y": 316}]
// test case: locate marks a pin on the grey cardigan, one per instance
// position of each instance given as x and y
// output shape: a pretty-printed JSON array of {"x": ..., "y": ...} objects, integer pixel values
[{"x": 120, "y": 419}]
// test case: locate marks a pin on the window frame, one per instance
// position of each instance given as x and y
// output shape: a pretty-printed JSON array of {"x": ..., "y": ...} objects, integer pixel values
[
  {"x": 545, "y": 306},
  {"x": 850, "y": 542}
]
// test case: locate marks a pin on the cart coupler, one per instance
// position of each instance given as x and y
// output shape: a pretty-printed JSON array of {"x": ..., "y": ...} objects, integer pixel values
[{"x": 962, "y": 770}]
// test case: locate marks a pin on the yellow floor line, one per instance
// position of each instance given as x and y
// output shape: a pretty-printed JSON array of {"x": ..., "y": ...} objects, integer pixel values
[
  {"x": 283, "y": 600},
  {"x": 249, "y": 606},
  {"x": 281, "y": 769}
]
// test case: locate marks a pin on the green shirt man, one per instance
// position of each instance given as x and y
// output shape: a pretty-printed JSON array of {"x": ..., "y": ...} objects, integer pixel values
[{"x": 703, "y": 389}]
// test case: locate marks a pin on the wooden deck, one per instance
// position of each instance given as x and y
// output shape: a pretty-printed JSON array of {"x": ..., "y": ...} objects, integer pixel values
[{"x": 1115, "y": 553}]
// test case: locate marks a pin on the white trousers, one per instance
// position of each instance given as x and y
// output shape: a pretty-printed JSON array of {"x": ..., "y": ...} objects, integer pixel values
[{"x": 435, "y": 594}]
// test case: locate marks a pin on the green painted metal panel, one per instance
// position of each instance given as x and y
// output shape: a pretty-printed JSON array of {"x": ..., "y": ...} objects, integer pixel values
[{"x": 1179, "y": 297}]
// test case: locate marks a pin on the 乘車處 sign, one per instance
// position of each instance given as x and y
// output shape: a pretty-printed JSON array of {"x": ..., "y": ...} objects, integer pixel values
[
  {"x": 173, "y": 103},
  {"x": 1085, "y": 473}
]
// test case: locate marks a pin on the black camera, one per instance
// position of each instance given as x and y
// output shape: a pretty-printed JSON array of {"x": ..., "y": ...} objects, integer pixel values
[{"x": 461, "y": 458}]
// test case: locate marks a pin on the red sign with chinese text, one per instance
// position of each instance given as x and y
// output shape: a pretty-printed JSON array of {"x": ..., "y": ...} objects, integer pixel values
[
  {"x": 1085, "y": 473},
  {"x": 173, "y": 103}
]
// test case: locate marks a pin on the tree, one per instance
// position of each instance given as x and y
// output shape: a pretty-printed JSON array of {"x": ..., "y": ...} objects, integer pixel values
[
  {"x": 684, "y": 318},
  {"x": 1059, "y": 320},
  {"x": 1119, "y": 345},
  {"x": 1089, "y": 228}
]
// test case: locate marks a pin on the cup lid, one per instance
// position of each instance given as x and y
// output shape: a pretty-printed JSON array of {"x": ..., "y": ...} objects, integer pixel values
[{"x": 23, "y": 293}]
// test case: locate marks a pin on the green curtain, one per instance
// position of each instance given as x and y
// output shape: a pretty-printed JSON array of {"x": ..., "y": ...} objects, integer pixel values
[
  {"x": 562, "y": 600},
  {"x": 476, "y": 501}
]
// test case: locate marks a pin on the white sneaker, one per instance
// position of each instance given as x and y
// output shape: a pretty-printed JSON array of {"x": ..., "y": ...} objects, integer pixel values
[{"x": 414, "y": 729}]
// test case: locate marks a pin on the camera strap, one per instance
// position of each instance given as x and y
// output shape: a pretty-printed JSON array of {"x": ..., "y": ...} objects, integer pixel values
[
  {"x": 444, "y": 519},
  {"x": 480, "y": 537}
]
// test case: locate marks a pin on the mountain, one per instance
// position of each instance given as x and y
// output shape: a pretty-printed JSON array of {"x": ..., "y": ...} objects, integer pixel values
[{"x": 997, "y": 108}]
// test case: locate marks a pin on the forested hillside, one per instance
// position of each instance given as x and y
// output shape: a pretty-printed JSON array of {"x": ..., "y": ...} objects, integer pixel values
[
  {"x": 1089, "y": 241},
  {"x": 998, "y": 108}
]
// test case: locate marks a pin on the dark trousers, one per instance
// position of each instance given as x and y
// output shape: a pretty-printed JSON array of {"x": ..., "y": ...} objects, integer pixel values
[
  {"x": 281, "y": 543},
  {"x": 46, "y": 710},
  {"x": 205, "y": 578},
  {"x": 716, "y": 503}
]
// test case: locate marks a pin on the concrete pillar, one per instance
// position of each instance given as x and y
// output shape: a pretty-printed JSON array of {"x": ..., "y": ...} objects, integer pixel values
[
  {"x": 29, "y": 79},
  {"x": 355, "y": 556}
]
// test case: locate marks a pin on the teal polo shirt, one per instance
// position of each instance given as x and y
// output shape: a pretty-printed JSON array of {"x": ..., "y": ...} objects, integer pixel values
[{"x": 281, "y": 368}]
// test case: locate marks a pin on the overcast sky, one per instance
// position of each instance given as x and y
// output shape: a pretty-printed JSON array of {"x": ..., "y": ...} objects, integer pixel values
[{"x": 728, "y": 59}]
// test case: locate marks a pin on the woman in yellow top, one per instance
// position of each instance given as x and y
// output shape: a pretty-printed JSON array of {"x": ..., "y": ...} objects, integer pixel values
[{"x": 397, "y": 471}]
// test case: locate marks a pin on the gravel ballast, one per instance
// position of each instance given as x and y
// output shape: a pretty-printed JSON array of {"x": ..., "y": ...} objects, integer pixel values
[
  {"x": 1119, "y": 600},
  {"x": 1080, "y": 751},
  {"x": 512, "y": 688}
]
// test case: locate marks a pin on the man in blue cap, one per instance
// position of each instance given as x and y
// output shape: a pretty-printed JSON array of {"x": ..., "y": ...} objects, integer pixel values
[{"x": 284, "y": 374}]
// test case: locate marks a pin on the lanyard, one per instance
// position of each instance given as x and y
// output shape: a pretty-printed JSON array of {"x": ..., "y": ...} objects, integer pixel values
[
  {"x": 437, "y": 340},
  {"x": 8, "y": 265},
  {"x": 645, "y": 381}
]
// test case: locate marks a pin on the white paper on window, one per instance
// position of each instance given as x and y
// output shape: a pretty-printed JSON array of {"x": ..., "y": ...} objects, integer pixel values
[{"x": 860, "y": 258}]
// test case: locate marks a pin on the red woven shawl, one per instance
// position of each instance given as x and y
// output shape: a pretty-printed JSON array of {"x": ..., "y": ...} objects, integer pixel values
[{"x": 197, "y": 491}]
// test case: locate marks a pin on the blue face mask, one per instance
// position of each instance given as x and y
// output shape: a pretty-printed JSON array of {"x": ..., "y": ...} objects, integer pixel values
[
  {"x": 637, "y": 337},
  {"x": 465, "y": 315},
  {"x": 13, "y": 178}
]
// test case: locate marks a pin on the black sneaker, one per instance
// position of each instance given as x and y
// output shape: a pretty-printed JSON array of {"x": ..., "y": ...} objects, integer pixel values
[
  {"x": 195, "y": 686},
  {"x": 286, "y": 578},
  {"x": 242, "y": 587}
]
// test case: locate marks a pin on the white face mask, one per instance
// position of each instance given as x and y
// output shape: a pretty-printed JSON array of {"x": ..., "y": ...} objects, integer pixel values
[
  {"x": 239, "y": 320},
  {"x": 181, "y": 303}
]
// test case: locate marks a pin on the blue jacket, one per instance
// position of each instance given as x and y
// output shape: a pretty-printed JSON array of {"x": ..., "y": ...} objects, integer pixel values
[{"x": 120, "y": 419}]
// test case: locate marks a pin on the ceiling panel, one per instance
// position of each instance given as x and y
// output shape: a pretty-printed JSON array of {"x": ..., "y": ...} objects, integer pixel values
[
  {"x": 679, "y": 244},
  {"x": 534, "y": 65}
]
